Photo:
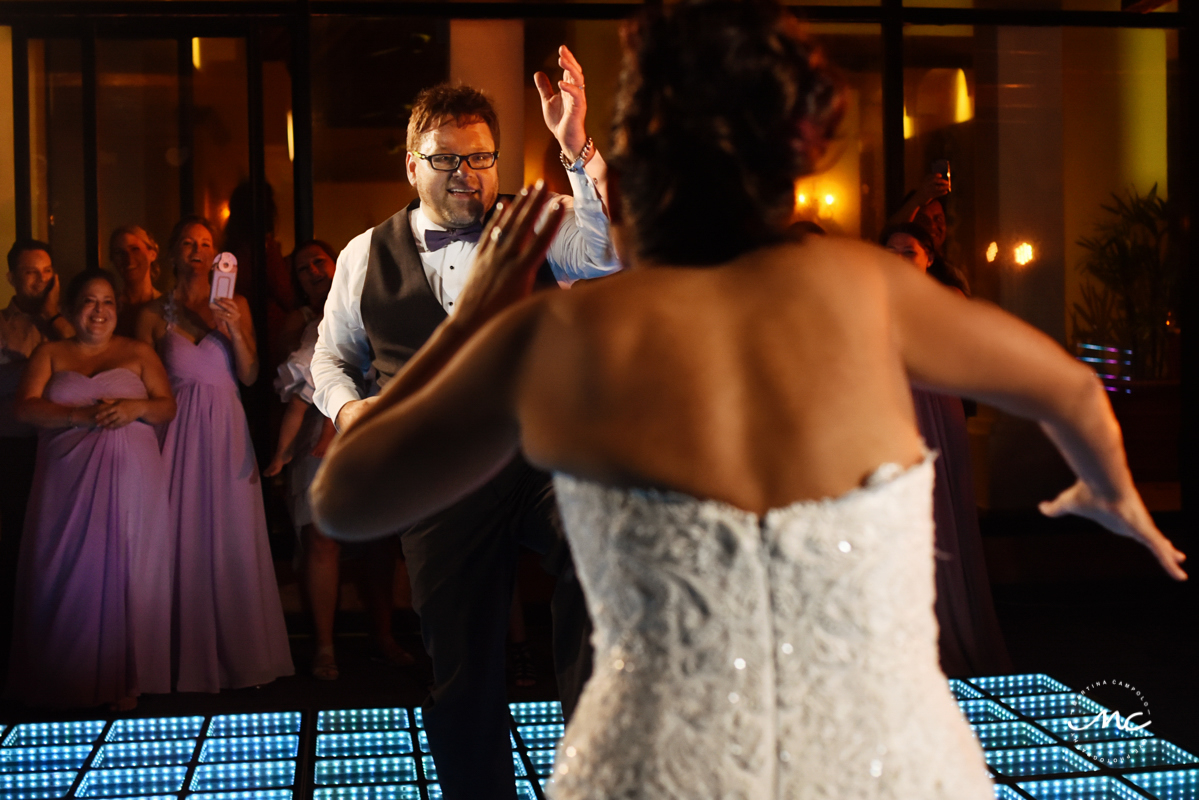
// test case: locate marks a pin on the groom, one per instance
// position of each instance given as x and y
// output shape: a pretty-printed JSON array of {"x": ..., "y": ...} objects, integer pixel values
[{"x": 393, "y": 286}]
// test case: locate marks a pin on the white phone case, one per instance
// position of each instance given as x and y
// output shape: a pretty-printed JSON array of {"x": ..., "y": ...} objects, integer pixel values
[{"x": 224, "y": 276}]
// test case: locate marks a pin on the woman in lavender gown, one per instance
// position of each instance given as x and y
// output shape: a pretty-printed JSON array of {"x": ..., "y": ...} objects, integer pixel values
[
  {"x": 228, "y": 620},
  {"x": 969, "y": 639},
  {"x": 92, "y": 622}
]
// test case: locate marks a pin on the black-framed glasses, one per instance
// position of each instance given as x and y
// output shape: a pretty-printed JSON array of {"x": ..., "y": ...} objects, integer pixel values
[{"x": 448, "y": 162}]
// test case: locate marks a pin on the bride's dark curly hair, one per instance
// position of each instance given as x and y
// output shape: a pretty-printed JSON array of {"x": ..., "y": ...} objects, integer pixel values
[{"x": 722, "y": 105}]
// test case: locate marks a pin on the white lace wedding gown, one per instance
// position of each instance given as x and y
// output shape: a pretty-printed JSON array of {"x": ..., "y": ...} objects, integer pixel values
[{"x": 792, "y": 655}]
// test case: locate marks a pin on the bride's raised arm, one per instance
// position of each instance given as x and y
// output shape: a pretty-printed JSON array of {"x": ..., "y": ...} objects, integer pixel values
[
  {"x": 974, "y": 349},
  {"x": 445, "y": 424}
]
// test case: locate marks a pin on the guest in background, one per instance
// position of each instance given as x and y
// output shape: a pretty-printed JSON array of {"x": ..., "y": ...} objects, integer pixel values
[
  {"x": 31, "y": 318},
  {"x": 92, "y": 621},
  {"x": 925, "y": 206},
  {"x": 971, "y": 642},
  {"x": 271, "y": 284},
  {"x": 134, "y": 254},
  {"x": 228, "y": 619},
  {"x": 304, "y": 435}
]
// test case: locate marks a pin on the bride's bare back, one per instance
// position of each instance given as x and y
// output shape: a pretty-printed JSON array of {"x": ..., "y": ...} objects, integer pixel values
[{"x": 771, "y": 379}]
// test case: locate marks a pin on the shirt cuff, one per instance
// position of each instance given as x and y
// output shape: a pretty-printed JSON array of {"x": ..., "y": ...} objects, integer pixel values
[{"x": 337, "y": 397}]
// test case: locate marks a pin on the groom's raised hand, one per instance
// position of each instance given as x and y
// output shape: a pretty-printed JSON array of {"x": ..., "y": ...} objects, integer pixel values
[{"x": 565, "y": 111}]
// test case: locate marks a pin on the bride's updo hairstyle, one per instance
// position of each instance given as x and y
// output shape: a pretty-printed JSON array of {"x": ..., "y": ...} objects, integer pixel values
[{"x": 722, "y": 105}]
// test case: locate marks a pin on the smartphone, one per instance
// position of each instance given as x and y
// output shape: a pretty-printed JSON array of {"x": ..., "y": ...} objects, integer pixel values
[
  {"x": 224, "y": 277},
  {"x": 941, "y": 167}
]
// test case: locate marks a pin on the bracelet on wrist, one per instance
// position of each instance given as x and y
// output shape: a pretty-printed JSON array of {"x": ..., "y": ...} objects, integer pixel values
[{"x": 581, "y": 161}]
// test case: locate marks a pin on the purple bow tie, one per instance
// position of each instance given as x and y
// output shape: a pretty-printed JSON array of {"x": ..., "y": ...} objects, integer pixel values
[{"x": 435, "y": 240}]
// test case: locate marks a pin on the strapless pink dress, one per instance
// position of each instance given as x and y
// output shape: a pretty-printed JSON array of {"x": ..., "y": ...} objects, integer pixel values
[
  {"x": 92, "y": 621},
  {"x": 228, "y": 619}
]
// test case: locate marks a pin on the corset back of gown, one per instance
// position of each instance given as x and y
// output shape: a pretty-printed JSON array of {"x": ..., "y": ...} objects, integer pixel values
[{"x": 792, "y": 655}]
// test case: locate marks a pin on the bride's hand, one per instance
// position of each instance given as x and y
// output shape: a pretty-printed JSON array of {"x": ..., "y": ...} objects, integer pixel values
[
  {"x": 1126, "y": 516},
  {"x": 509, "y": 253}
]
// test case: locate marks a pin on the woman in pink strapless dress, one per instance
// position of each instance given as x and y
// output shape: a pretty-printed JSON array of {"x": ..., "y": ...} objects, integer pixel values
[
  {"x": 228, "y": 619},
  {"x": 92, "y": 622}
]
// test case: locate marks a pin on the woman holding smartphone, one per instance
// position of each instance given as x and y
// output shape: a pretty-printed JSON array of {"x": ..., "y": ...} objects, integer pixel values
[{"x": 228, "y": 620}]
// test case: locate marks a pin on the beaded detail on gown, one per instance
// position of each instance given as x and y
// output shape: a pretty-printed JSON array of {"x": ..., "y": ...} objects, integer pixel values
[{"x": 792, "y": 655}]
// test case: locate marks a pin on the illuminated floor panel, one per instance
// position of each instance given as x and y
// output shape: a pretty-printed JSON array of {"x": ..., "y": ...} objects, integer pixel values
[{"x": 1028, "y": 726}]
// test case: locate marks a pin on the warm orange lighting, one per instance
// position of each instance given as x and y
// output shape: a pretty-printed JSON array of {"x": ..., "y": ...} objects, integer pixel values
[
  {"x": 223, "y": 213},
  {"x": 196, "y": 54},
  {"x": 803, "y": 198},
  {"x": 1023, "y": 253},
  {"x": 992, "y": 251},
  {"x": 291, "y": 139},
  {"x": 829, "y": 199}
]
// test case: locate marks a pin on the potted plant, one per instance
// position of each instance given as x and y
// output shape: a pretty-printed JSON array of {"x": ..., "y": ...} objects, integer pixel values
[{"x": 1131, "y": 304}]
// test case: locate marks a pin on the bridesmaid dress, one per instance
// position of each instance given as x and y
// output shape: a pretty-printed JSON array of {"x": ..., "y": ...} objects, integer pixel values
[
  {"x": 228, "y": 619},
  {"x": 971, "y": 642},
  {"x": 92, "y": 619}
]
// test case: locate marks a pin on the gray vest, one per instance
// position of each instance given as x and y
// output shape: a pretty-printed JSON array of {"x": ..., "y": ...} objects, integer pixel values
[{"x": 399, "y": 310}]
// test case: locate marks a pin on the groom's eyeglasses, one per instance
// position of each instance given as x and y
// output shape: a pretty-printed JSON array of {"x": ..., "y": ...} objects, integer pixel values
[{"x": 448, "y": 162}]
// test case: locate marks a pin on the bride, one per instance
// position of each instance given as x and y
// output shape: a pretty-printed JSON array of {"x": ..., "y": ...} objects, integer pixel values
[{"x": 731, "y": 429}]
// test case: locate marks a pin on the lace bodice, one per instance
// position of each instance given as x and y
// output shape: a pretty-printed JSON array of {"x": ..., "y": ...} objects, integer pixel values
[{"x": 792, "y": 655}]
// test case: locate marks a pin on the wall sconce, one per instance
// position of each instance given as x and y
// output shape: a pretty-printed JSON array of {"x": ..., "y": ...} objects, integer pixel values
[
  {"x": 196, "y": 54},
  {"x": 992, "y": 252},
  {"x": 1023, "y": 253}
]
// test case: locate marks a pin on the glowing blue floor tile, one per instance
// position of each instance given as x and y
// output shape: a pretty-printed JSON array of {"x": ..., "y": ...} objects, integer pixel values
[
  {"x": 35, "y": 785},
  {"x": 144, "y": 754},
  {"x": 254, "y": 724},
  {"x": 125, "y": 782},
  {"x": 433, "y": 791},
  {"x": 334, "y": 772},
  {"x": 524, "y": 791},
  {"x": 1030, "y": 761},
  {"x": 1003, "y": 792},
  {"x": 518, "y": 766},
  {"x": 543, "y": 761},
  {"x": 149, "y": 730},
  {"x": 358, "y": 745},
  {"x": 1182, "y": 784},
  {"x": 1089, "y": 729},
  {"x": 995, "y": 735},
  {"x": 985, "y": 711},
  {"x": 426, "y": 763},
  {"x": 1046, "y": 706},
  {"x": 963, "y": 691},
  {"x": 1012, "y": 685},
  {"x": 362, "y": 719},
  {"x": 1137, "y": 753},
  {"x": 257, "y": 794},
  {"x": 541, "y": 735},
  {"x": 418, "y": 717},
  {"x": 39, "y": 734},
  {"x": 249, "y": 748},
  {"x": 1103, "y": 787},
  {"x": 254, "y": 775},
  {"x": 536, "y": 713},
  {"x": 403, "y": 791},
  {"x": 43, "y": 759}
]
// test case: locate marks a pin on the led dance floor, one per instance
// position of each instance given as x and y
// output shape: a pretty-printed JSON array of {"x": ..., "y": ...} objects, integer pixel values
[{"x": 382, "y": 753}]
